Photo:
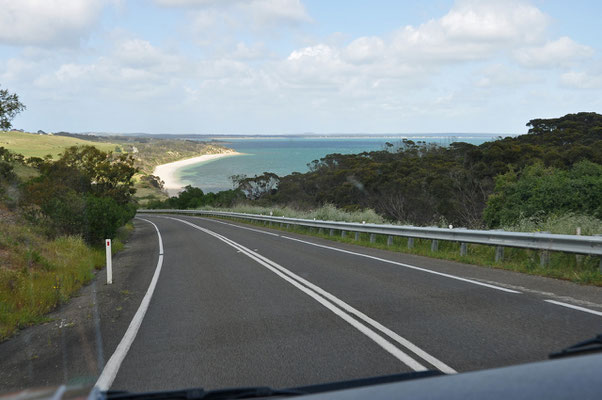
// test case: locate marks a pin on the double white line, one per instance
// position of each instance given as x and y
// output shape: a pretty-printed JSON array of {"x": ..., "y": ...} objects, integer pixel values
[{"x": 380, "y": 334}]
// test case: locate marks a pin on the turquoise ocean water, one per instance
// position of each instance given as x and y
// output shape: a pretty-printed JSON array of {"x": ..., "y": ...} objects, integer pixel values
[{"x": 285, "y": 155}]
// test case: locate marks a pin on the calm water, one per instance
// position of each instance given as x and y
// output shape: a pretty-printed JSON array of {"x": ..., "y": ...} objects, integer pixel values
[{"x": 283, "y": 156}]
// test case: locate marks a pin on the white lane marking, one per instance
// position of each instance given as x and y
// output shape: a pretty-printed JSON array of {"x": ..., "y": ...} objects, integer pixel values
[
  {"x": 319, "y": 295},
  {"x": 238, "y": 226},
  {"x": 110, "y": 370},
  {"x": 587, "y": 310},
  {"x": 379, "y": 259},
  {"x": 406, "y": 265}
]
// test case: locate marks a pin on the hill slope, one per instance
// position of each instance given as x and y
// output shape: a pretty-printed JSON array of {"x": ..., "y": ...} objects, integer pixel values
[{"x": 34, "y": 145}]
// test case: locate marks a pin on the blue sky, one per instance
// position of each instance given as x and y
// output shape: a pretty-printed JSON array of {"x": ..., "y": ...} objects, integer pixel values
[{"x": 294, "y": 66}]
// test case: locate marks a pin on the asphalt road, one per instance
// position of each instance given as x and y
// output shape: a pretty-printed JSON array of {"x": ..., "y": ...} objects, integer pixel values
[{"x": 236, "y": 305}]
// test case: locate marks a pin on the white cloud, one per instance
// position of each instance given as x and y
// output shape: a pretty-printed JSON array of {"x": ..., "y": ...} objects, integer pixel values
[
  {"x": 472, "y": 30},
  {"x": 47, "y": 22},
  {"x": 581, "y": 80},
  {"x": 272, "y": 11},
  {"x": 500, "y": 75},
  {"x": 365, "y": 49},
  {"x": 141, "y": 54},
  {"x": 133, "y": 69},
  {"x": 493, "y": 21},
  {"x": 197, "y": 3},
  {"x": 243, "y": 51},
  {"x": 262, "y": 12},
  {"x": 560, "y": 52},
  {"x": 415, "y": 55}
]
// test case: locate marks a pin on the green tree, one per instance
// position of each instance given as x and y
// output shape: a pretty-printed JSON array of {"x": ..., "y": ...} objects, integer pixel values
[
  {"x": 538, "y": 192},
  {"x": 86, "y": 192},
  {"x": 10, "y": 106}
]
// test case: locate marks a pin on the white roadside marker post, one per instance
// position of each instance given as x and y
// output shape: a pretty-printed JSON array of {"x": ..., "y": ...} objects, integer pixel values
[{"x": 109, "y": 262}]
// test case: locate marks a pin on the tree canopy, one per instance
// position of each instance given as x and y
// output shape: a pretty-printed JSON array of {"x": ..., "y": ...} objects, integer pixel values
[
  {"x": 86, "y": 192},
  {"x": 10, "y": 106}
]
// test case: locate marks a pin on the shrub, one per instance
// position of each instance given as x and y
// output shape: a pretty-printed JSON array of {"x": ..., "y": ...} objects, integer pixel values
[{"x": 538, "y": 192}]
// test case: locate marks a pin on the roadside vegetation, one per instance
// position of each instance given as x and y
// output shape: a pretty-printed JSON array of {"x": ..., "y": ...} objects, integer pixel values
[
  {"x": 327, "y": 212},
  {"x": 54, "y": 217}
]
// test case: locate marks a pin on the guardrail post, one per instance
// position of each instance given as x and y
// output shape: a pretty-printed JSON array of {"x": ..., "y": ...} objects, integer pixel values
[
  {"x": 288, "y": 226},
  {"x": 389, "y": 240},
  {"x": 343, "y": 234},
  {"x": 357, "y": 236},
  {"x": 321, "y": 231},
  {"x": 600, "y": 267},
  {"x": 499, "y": 253},
  {"x": 410, "y": 243},
  {"x": 578, "y": 257},
  {"x": 544, "y": 258},
  {"x": 463, "y": 249},
  {"x": 372, "y": 238},
  {"x": 434, "y": 245},
  {"x": 331, "y": 232}
]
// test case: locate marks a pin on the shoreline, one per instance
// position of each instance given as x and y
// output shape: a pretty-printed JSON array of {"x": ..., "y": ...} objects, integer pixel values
[{"x": 167, "y": 172}]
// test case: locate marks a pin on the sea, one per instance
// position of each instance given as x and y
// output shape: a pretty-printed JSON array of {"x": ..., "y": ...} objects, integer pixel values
[{"x": 283, "y": 155}]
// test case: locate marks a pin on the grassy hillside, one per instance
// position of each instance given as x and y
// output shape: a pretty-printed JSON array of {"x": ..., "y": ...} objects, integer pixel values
[{"x": 34, "y": 145}]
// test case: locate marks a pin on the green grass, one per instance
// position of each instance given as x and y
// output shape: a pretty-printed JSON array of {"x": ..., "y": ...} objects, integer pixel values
[
  {"x": 121, "y": 237},
  {"x": 24, "y": 172},
  {"x": 327, "y": 212},
  {"x": 562, "y": 224},
  {"x": 38, "y": 274},
  {"x": 34, "y": 145},
  {"x": 571, "y": 267},
  {"x": 144, "y": 194}
]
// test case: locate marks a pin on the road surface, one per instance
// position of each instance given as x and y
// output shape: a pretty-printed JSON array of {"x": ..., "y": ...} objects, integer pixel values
[
  {"x": 222, "y": 304},
  {"x": 236, "y": 305}
]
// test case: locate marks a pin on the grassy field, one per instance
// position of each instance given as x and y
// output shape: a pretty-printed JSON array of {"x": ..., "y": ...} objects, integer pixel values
[{"x": 34, "y": 145}]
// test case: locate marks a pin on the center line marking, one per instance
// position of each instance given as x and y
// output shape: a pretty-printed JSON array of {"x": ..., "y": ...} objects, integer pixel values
[
  {"x": 338, "y": 307},
  {"x": 587, "y": 310},
  {"x": 503, "y": 289}
]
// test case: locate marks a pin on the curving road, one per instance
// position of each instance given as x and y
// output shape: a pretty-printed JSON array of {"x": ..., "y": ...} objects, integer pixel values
[{"x": 236, "y": 305}]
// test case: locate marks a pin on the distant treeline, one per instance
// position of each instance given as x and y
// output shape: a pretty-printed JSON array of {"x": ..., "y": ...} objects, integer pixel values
[{"x": 554, "y": 169}]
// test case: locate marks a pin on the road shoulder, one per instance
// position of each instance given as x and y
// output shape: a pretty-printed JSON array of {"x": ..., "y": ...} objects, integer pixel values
[{"x": 81, "y": 335}]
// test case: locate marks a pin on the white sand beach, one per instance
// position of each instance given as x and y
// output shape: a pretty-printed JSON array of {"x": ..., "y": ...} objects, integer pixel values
[{"x": 167, "y": 172}]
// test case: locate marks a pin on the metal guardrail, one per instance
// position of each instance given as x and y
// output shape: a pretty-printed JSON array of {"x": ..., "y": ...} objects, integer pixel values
[{"x": 589, "y": 245}]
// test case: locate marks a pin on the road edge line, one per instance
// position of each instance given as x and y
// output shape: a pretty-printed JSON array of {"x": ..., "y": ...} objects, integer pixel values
[{"x": 106, "y": 378}]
